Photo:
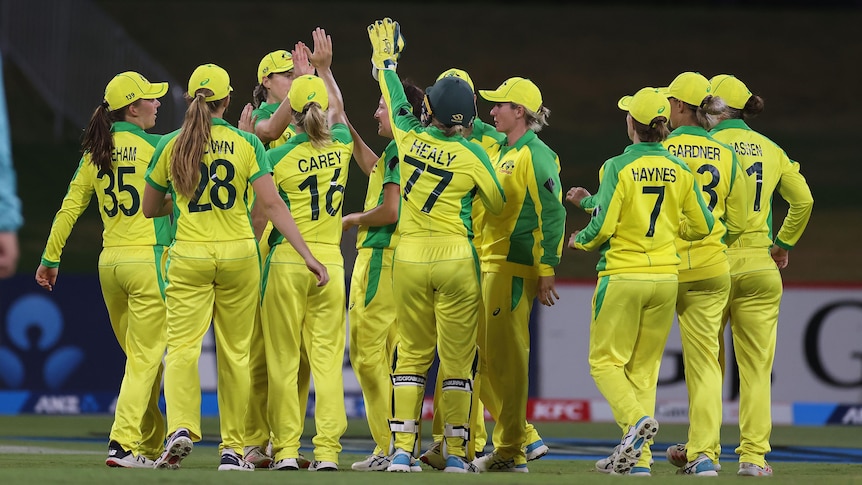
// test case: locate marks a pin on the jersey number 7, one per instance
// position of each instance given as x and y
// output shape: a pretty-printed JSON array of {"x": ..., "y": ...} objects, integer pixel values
[{"x": 422, "y": 167}]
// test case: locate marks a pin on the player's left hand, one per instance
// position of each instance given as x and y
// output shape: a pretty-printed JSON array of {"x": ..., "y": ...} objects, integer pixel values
[
  {"x": 387, "y": 43},
  {"x": 781, "y": 256},
  {"x": 576, "y": 194},
  {"x": 321, "y": 58},
  {"x": 572, "y": 239},
  {"x": 546, "y": 292},
  {"x": 246, "y": 121}
]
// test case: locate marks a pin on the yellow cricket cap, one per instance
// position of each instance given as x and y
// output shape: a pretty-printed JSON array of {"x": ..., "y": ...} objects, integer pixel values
[
  {"x": 307, "y": 89},
  {"x": 275, "y": 61},
  {"x": 213, "y": 78},
  {"x": 454, "y": 72},
  {"x": 733, "y": 91},
  {"x": 516, "y": 90},
  {"x": 127, "y": 87},
  {"x": 645, "y": 105},
  {"x": 689, "y": 87}
]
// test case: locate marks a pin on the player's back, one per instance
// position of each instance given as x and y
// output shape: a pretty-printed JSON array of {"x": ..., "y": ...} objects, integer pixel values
[
  {"x": 644, "y": 194},
  {"x": 439, "y": 178},
  {"x": 714, "y": 168},
  {"x": 119, "y": 191},
  {"x": 311, "y": 181},
  {"x": 218, "y": 210},
  {"x": 763, "y": 162}
]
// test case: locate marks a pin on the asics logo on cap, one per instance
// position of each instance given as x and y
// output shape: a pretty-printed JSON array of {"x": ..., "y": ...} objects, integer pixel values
[
  {"x": 205, "y": 82},
  {"x": 311, "y": 95},
  {"x": 660, "y": 110}
]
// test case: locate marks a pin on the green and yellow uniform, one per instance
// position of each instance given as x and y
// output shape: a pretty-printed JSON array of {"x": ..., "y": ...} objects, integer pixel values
[
  {"x": 265, "y": 112},
  {"x": 704, "y": 280},
  {"x": 756, "y": 288},
  {"x": 130, "y": 274},
  {"x": 646, "y": 199},
  {"x": 436, "y": 274},
  {"x": 521, "y": 243},
  {"x": 257, "y": 431},
  {"x": 213, "y": 276},
  {"x": 372, "y": 304},
  {"x": 295, "y": 311}
]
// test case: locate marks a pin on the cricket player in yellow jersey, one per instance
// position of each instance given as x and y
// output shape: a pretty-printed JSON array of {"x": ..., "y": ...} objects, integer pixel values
[
  {"x": 755, "y": 294},
  {"x": 371, "y": 308},
  {"x": 646, "y": 199},
  {"x": 117, "y": 151},
  {"x": 704, "y": 275},
  {"x": 486, "y": 136},
  {"x": 272, "y": 125},
  {"x": 521, "y": 246},
  {"x": 310, "y": 171},
  {"x": 213, "y": 269},
  {"x": 436, "y": 274}
]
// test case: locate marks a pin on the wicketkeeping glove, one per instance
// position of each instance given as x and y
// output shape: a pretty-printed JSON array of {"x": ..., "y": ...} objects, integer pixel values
[{"x": 386, "y": 44}]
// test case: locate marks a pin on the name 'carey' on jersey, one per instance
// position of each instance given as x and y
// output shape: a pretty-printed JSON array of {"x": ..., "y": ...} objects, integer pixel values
[
  {"x": 654, "y": 174},
  {"x": 695, "y": 151},
  {"x": 426, "y": 151},
  {"x": 324, "y": 160},
  {"x": 124, "y": 154}
]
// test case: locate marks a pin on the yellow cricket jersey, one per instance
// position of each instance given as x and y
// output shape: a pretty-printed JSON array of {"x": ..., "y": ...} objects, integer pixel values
[
  {"x": 385, "y": 171},
  {"x": 489, "y": 139},
  {"x": 526, "y": 238},
  {"x": 720, "y": 177},
  {"x": 219, "y": 210},
  {"x": 767, "y": 168},
  {"x": 439, "y": 175},
  {"x": 311, "y": 181},
  {"x": 265, "y": 112},
  {"x": 645, "y": 199},
  {"x": 118, "y": 192}
]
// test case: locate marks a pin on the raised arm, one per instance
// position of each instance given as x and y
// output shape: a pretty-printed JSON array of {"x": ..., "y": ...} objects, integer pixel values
[{"x": 321, "y": 59}]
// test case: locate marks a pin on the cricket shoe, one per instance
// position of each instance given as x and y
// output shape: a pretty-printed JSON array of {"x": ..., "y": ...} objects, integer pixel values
[
  {"x": 640, "y": 471},
  {"x": 120, "y": 457},
  {"x": 373, "y": 463},
  {"x": 178, "y": 447},
  {"x": 536, "y": 450},
  {"x": 632, "y": 444},
  {"x": 286, "y": 464},
  {"x": 400, "y": 461},
  {"x": 434, "y": 456},
  {"x": 231, "y": 461},
  {"x": 323, "y": 466},
  {"x": 493, "y": 462},
  {"x": 457, "y": 464},
  {"x": 257, "y": 457},
  {"x": 702, "y": 467},
  {"x": 606, "y": 465},
  {"x": 751, "y": 470},
  {"x": 677, "y": 455}
]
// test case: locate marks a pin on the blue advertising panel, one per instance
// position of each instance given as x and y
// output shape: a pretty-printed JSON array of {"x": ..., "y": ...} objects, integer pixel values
[{"x": 57, "y": 345}]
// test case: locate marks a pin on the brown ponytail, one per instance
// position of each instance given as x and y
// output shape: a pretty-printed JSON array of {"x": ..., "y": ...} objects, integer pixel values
[
  {"x": 258, "y": 96},
  {"x": 656, "y": 131},
  {"x": 191, "y": 142},
  {"x": 97, "y": 139}
]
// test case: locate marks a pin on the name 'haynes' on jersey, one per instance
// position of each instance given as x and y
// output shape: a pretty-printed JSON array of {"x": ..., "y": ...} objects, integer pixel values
[{"x": 654, "y": 174}]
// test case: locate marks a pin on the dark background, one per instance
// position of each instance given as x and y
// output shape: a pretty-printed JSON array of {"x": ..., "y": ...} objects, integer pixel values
[{"x": 802, "y": 59}]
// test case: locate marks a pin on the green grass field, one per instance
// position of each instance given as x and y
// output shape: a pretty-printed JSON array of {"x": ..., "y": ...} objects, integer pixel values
[{"x": 64, "y": 449}]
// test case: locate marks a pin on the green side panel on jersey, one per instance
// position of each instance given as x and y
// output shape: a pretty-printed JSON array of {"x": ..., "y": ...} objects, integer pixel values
[
  {"x": 517, "y": 291},
  {"x": 601, "y": 290},
  {"x": 521, "y": 241},
  {"x": 375, "y": 266},
  {"x": 158, "y": 252}
]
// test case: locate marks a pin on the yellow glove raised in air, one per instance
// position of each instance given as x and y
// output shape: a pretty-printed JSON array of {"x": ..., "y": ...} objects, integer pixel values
[{"x": 386, "y": 44}]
